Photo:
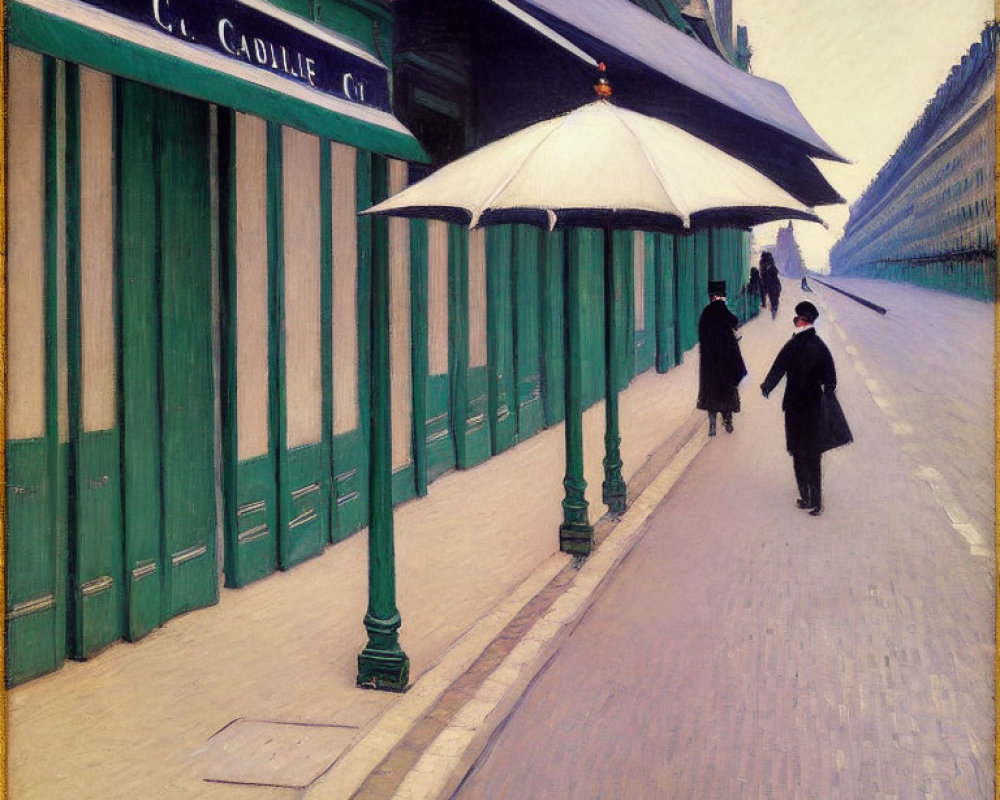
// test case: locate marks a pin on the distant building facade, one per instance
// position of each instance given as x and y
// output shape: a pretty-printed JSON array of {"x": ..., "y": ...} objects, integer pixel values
[
  {"x": 929, "y": 216},
  {"x": 787, "y": 255}
]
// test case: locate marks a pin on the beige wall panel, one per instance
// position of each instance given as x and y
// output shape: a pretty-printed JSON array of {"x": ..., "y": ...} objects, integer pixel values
[
  {"x": 303, "y": 367},
  {"x": 97, "y": 323},
  {"x": 399, "y": 326},
  {"x": 639, "y": 278},
  {"x": 437, "y": 297},
  {"x": 345, "y": 288},
  {"x": 477, "y": 298},
  {"x": 252, "y": 372},
  {"x": 25, "y": 253}
]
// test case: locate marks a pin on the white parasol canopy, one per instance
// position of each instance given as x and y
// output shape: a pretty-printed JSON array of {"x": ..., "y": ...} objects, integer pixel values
[{"x": 601, "y": 166}]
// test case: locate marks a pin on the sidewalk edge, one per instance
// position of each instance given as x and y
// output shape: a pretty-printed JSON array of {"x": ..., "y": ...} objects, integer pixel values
[{"x": 447, "y": 761}]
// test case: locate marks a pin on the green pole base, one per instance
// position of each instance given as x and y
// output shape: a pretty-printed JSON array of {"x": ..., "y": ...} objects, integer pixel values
[
  {"x": 613, "y": 494},
  {"x": 576, "y": 538},
  {"x": 385, "y": 671}
]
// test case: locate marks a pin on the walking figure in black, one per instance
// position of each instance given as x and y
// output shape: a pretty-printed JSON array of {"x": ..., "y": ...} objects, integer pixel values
[
  {"x": 764, "y": 258},
  {"x": 721, "y": 365},
  {"x": 810, "y": 426},
  {"x": 769, "y": 281},
  {"x": 755, "y": 288}
]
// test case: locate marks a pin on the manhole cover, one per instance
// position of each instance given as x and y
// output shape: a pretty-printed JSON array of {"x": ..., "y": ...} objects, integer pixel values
[{"x": 259, "y": 752}]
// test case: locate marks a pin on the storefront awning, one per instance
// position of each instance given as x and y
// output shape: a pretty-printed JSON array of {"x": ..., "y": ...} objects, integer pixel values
[
  {"x": 589, "y": 29},
  {"x": 242, "y": 54}
]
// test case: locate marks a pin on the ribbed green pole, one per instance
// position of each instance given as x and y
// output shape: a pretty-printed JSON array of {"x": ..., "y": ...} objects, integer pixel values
[
  {"x": 613, "y": 488},
  {"x": 382, "y": 664},
  {"x": 575, "y": 534}
]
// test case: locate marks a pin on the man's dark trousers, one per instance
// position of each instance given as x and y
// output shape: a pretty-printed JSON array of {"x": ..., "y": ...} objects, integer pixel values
[{"x": 807, "y": 476}]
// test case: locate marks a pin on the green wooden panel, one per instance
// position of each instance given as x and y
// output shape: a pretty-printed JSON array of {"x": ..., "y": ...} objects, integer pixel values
[
  {"x": 404, "y": 484},
  {"x": 470, "y": 386},
  {"x": 304, "y": 509},
  {"x": 702, "y": 259},
  {"x": 139, "y": 358},
  {"x": 35, "y": 609},
  {"x": 477, "y": 427},
  {"x": 439, "y": 433},
  {"x": 527, "y": 310},
  {"x": 687, "y": 317},
  {"x": 187, "y": 390},
  {"x": 624, "y": 307},
  {"x": 95, "y": 543},
  {"x": 458, "y": 334},
  {"x": 586, "y": 256},
  {"x": 553, "y": 340},
  {"x": 418, "y": 345},
  {"x": 661, "y": 254},
  {"x": 326, "y": 329},
  {"x": 98, "y": 568},
  {"x": 645, "y": 339},
  {"x": 350, "y": 481},
  {"x": 303, "y": 471},
  {"x": 252, "y": 545},
  {"x": 351, "y": 449},
  {"x": 250, "y": 491},
  {"x": 502, "y": 397}
]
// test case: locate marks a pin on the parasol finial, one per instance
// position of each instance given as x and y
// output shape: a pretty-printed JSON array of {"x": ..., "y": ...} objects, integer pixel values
[{"x": 602, "y": 88}]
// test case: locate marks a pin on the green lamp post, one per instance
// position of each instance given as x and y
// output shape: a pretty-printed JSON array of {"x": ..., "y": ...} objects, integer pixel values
[{"x": 382, "y": 664}]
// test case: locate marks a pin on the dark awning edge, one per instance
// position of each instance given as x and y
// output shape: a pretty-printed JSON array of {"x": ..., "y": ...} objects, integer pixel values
[
  {"x": 66, "y": 39},
  {"x": 635, "y": 33},
  {"x": 619, "y": 219}
]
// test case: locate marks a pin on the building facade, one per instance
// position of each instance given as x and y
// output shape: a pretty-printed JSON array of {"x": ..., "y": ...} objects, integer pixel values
[
  {"x": 929, "y": 216},
  {"x": 184, "y": 185},
  {"x": 216, "y": 368}
]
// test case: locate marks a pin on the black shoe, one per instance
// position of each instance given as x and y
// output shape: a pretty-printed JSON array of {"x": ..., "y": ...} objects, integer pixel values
[
  {"x": 816, "y": 511},
  {"x": 728, "y": 425},
  {"x": 803, "y": 503}
]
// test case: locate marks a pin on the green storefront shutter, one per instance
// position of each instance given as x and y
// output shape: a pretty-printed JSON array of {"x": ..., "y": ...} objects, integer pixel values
[
  {"x": 528, "y": 254},
  {"x": 500, "y": 338}
]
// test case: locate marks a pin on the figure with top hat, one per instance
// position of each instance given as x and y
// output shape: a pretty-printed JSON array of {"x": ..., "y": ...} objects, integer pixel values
[
  {"x": 720, "y": 364},
  {"x": 814, "y": 421}
]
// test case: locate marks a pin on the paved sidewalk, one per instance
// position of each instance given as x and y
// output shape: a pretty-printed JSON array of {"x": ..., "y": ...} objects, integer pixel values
[
  {"x": 255, "y": 699},
  {"x": 746, "y": 650}
]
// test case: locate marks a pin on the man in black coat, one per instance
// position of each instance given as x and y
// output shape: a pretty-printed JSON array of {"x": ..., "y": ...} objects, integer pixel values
[
  {"x": 808, "y": 365},
  {"x": 770, "y": 281},
  {"x": 721, "y": 365}
]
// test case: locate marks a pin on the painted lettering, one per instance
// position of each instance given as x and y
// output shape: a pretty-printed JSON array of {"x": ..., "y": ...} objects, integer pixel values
[
  {"x": 225, "y": 29},
  {"x": 354, "y": 89},
  {"x": 256, "y": 50},
  {"x": 260, "y": 51},
  {"x": 167, "y": 26}
]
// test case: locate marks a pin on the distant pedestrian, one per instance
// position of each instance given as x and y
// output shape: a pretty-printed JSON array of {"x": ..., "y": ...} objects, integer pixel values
[
  {"x": 770, "y": 281},
  {"x": 810, "y": 426},
  {"x": 755, "y": 288},
  {"x": 765, "y": 257},
  {"x": 805, "y": 285},
  {"x": 720, "y": 366}
]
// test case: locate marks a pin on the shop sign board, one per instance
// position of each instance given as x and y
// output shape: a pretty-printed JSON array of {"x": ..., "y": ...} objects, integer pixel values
[{"x": 248, "y": 33}]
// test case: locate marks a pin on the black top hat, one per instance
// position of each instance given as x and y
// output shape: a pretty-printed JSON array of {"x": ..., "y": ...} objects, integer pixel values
[
  {"x": 717, "y": 288},
  {"x": 806, "y": 310}
]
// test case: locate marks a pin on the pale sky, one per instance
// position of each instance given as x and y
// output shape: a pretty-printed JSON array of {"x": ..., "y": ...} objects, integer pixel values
[{"x": 861, "y": 71}]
